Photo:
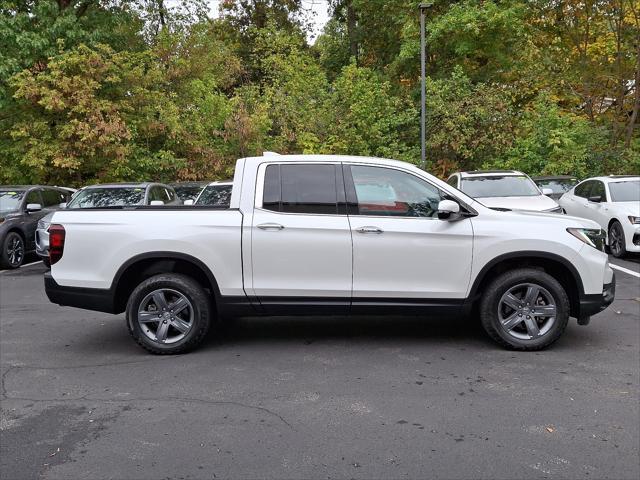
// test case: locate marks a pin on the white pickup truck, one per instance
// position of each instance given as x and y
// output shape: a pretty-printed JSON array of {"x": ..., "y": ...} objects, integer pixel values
[{"x": 312, "y": 234}]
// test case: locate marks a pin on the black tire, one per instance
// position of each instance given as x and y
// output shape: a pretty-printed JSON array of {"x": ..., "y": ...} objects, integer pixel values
[
  {"x": 491, "y": 308},
  {"x": 13, "y": 250},
  {"x": 617, "y": 243},
  {"x": 200, "y": 311}
]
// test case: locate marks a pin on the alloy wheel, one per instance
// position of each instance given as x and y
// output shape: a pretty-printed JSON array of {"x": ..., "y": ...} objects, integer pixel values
[
  {"x": 615, "y": 240},
  {"x": 527, "y": 311},
  {"x": 15, "y": 251},
  {"x": 165, "y": 316}
]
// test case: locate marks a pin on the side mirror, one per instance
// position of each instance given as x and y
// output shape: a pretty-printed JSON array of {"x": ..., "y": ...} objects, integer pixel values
[
  {"x": 547, "y": 191},
  {"x": 156, "y": 203},
  {"x": 188, "y": 202},
  {"x": 595, "y": 199},
  {"x": 63, "y": 205},
  {"x": 34, "y": 207},
  {"x": 447, "y": 208}
]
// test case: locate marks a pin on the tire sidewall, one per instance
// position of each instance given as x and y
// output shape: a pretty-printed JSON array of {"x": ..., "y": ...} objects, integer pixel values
[
  {"x": 504, "y": 283},
  {"x": 618, "y": 227},
  {"x": 190, "y": 289}
]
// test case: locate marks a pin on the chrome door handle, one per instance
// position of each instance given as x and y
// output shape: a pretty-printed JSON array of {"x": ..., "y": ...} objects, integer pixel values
[
  {"x": 270, "y": 226},
  {"x": 376, "y": 230}
]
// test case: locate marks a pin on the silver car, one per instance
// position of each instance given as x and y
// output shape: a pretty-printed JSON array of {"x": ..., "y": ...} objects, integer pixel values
[{"x": 105, "y": 196}]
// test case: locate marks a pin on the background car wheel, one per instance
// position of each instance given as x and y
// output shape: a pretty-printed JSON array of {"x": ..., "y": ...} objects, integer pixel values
[
  {"x": 617, "y": 243},
  {"x": 524, "y": 309},
  {"x": 12, "y": 250},
  {"x": 169, "y": 314}
]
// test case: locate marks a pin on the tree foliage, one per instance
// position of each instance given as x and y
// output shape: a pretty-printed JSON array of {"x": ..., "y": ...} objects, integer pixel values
[{"x": 97, "y": 90}]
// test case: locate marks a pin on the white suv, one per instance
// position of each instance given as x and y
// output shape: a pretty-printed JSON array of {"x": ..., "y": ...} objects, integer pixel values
[
  {"x": 505, "y": 189},
  {"x": 613, "y": 202}
]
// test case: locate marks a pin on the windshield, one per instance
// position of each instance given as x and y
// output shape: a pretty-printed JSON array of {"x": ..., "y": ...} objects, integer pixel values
[
  {"x": 10, "y": 199},
  {"x": 107, "y": 197},
  {"x": 215, "y": 195},
  {"x": 558, "y": 185},
  {"x": 628, "y": 191},
  {"x": 187, "y": 192},
  {"x": 496, "y": 186}
]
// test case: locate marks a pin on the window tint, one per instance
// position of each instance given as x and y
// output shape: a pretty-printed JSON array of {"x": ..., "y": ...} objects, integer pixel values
[
  {"x": 389, "y": 192},
  {"x": 157, "y": 193},
  {"x": 598, "y": 189},
  {"x": 52, "y": 198},
  {"x": 301, "y": 189},
  {"x": 33, "y": 197},
  {"x": 453, "y": 181},
  {"x": 219, "y": 195},
  {"x": 583, "y": 189}
]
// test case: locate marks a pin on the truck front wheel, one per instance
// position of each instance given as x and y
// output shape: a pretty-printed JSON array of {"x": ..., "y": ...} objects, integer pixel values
[
  {"x": 169, "y": 314},
  {"x": 524, "y": 309}
]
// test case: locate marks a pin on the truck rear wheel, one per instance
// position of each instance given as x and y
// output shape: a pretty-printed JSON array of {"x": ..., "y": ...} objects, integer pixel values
[
  {"x": 524, "y": 309},
  {"x": 169, "y": 314}
]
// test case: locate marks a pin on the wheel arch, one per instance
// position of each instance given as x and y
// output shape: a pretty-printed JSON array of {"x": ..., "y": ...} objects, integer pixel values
[
  {"x": 556, "y": 266},
  {"x": 145, "y": 265}
]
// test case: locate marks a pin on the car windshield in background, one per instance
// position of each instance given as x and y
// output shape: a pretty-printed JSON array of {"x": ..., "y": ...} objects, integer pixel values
[
  {"x": 558, "y": 185},
  {"x": 625, "y": 191},
  {"x": 10, "y": 199},
  {"x": 496, "y": 186},
  {"x": 107, "y": 197},
  {"x": 187, "y": 193},
  {"x": 216, "y": 195}
]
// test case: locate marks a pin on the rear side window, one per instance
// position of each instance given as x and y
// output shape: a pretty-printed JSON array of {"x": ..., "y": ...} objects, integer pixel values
[
  {"x": 301, "y": 189},
  {"x": 583, "y": 189},
  {"x": 598, "y": 190},
  {"x": 52, "y": 198}
]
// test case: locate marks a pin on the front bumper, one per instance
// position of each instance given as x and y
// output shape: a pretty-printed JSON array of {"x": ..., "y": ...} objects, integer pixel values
[{"x": 592, "y": 304}]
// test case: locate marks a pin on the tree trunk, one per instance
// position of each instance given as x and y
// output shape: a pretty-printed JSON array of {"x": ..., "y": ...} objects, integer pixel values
[
  {"x": 636, "y": 103},
  {"x": 351, "y": 30}
]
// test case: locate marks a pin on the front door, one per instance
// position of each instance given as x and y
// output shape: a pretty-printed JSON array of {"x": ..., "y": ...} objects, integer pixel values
[
  {"x": 300, "y": 239},
  {"x": 402, "y": 252}
]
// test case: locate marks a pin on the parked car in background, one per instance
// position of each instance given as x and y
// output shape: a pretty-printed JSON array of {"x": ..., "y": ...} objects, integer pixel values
[
  {"x": 559, "y": 184},
  {"x": 614, "y": 203},
  {"x": 20, "y": 209},
  {"x": 217, "y": 194},
  {"x": 504, "y": 189},
  {"x": 103, "y": 196},
  {"x": 188, "y": 190}
]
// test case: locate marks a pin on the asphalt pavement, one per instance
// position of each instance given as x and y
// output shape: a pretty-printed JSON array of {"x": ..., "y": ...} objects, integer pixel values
[{"x": 376, "y": 397}]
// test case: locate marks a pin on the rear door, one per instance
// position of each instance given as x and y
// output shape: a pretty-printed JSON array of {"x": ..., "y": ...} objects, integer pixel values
[
  {"x": 402, "y": 253},
  {"x": 300, "y": 238}
]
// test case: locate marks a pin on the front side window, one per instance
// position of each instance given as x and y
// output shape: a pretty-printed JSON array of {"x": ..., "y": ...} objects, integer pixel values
[
  {"x": 33, "y": 197},
  {"x": 583, "y": 189},
  {"x": 453, "y": 181},
  {"x": 52, "y": 198},
  {"x": 499, "y": 186},
  {"x": 628, "y": 191},
  {"x": 388, "y": 192},
  {"x": 295, "y": 188},
  {"x": 107, "y": 197}
]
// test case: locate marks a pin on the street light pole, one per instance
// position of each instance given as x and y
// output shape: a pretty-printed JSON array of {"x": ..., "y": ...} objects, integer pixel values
[{"x": 423, "y": 132}]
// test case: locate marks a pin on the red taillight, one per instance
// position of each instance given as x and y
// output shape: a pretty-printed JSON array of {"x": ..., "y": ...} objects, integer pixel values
[{"x": 56, "y": 242}]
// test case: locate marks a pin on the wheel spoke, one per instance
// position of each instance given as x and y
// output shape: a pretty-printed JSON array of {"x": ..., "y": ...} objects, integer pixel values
[
  {"x": 180, "y": 325},
  {"x": 532, "y": 294},
  {"x": 146, "y": 317},
  {"x": 532, "y": 326},
  {"x": 179, "y": 305},
  {"x": 160, "y": 300},
  {"x": 512, "y": 321},
  {"x": 543, "y": 310},
  {"x": 161, "y": 333},
  {"x": 511, "y": 300}
]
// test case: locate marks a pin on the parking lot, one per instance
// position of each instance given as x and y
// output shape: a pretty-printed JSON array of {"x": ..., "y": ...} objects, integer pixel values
[{"x": 315, "y": 397}]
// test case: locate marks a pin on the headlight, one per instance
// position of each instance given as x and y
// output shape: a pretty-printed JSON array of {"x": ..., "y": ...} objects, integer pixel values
[
  {"x": 557, "y": 209},
  {"x": 635, "y": 220},
  {"x": 593, "y": 237}
]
